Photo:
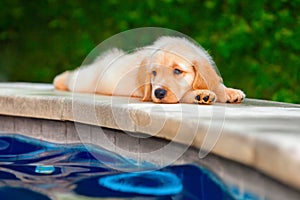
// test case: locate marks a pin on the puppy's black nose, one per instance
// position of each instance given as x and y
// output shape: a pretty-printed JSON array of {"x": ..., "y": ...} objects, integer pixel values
[{"x": 160, "y": 93}]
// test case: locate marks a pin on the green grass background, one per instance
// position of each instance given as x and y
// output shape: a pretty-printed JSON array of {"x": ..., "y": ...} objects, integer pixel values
[{"x": 255, "y": 44}]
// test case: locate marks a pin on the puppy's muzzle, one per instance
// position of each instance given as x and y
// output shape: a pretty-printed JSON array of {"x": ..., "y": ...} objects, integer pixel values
[{"x": 160, "y": 93}]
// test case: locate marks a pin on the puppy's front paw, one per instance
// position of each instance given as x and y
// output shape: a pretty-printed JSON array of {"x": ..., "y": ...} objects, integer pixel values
[
  {"x": 204, "y": 97},
  {"x": 234, "y": 95}
]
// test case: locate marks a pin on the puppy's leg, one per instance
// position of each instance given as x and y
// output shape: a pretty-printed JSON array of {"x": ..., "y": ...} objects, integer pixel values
[
  {"x": 199, "y": 97},
  {"x": 234, "y": 95},
  {"x": 228, "y": 95},
  {"x": 79, "y": 80},
  {"x": 60, "y": 81}
]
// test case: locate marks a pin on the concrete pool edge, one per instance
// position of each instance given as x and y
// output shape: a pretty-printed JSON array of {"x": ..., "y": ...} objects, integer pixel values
[{"x": 260, "y": 134}]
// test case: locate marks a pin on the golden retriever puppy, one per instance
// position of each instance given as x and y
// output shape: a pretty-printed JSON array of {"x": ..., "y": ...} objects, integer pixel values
[{"x": 171, "y": 70}]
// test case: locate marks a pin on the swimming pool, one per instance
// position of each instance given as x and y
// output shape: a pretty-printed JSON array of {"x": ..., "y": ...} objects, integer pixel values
[{"x": 35, "y": 169}]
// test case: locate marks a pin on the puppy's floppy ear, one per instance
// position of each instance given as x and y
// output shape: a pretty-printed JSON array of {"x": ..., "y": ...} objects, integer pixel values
[
  {"x": 199, "y": 80},
  {"x": 144, "y": 80},
  {"x": 147, "y": 89},
  {"x": 206, "y": 76}
]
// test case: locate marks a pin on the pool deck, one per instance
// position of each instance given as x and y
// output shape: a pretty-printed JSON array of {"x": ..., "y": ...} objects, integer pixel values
[{"x": 261, "y": 134}]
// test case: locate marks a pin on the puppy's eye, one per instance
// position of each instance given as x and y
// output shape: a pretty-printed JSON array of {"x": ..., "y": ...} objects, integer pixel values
[
  {"x": 177, "y": 71},
  {"x": 154, "y": 73}
]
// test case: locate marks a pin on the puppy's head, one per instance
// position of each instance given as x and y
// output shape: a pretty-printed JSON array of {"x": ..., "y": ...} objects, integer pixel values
[
  {"x": 170, "y": 76},
  {"x": 176, "y": 66}
]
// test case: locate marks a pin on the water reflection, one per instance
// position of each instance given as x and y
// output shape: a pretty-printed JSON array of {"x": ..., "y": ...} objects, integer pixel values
[{"x": 146, "y": 183}]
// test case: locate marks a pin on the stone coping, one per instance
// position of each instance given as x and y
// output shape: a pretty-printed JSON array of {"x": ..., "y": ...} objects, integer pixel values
[{"x": 262, "y": 134}]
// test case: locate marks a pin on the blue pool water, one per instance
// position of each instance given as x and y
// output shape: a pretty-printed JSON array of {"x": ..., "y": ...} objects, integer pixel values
[{"x": 34, "y": 169}]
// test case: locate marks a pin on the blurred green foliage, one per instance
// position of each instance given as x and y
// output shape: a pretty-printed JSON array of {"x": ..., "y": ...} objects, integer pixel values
[{"x": 255, "y": 44}]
